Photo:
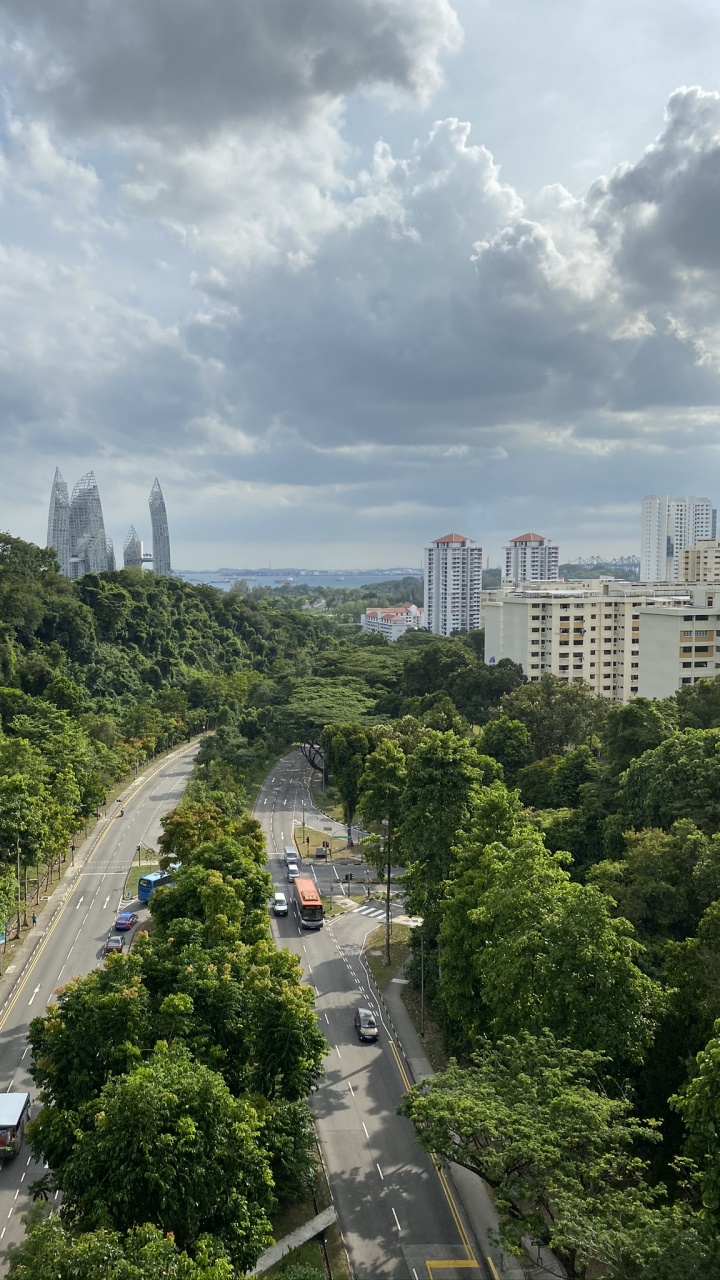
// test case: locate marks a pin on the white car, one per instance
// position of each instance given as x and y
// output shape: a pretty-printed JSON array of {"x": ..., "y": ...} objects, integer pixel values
[
  {"x": 280, "y": 904},
  {"x": 293, "y": 871}
]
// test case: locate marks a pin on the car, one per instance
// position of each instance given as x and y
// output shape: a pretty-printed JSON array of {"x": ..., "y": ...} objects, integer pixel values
[
  {"x": 126, "y": 920},
  {"x": 113, "y": 944},
  {"x": 280, "y": 904},
  {"x": 293, "y": 871},
  {"x": 291, "y": 855},
  {"x": 365, "y": 1024}
]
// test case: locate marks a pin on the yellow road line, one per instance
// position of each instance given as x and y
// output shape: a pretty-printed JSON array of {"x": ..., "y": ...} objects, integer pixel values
[
  {"x": 63, "y": 908},
  {"x": 491, "y": 1267},
  {"x": 446, "y": 1263},
  {"x": 472, "y": 1260}
]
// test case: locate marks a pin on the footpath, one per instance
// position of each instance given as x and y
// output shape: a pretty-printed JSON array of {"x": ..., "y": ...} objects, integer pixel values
[{"x": 472, "y": 1191}]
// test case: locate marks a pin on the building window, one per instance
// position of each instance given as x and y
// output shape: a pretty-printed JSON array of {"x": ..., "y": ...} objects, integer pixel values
[
  {"x": 534, "y": 666},
  {"x": 701, "y": 664},
  {"x": 701, "y": 635},
  {"x": 634, "y": 664},
  {"x": 686, "y": 648},
  {"x": 687, "y": 664},
  {"x": 686, "y": 635},
  {"x": 686, "y": 680}
]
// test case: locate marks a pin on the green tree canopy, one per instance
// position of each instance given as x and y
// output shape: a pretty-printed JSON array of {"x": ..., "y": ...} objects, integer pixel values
[
  {"x": 636, "y": 727},
  {"x": 558, "y": 714},
  {"x": 560, "y": 1156}
]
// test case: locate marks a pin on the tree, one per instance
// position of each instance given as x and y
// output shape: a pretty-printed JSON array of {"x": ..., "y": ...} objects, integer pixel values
[
  {"x": 660, "y": 884},
  {"x": 524, "y": 947},
  {"x": 507, "y": 741},
  {"x": 636, "y": 727},
  {"x": 573, "y": 771},
  {"x": 537, "y": 782},
  {"x": 699, "y": 1106},
  {"x": 698, "y": 705},
  {"x": 441, "y": 774},
  {"x": 345, "y": 749},
  {"x": 557, "y": 714},
  {"x": 382, "y": 786},
  {"x": 191, "y": 1162},
  {"x": 145, "y": 1253},
  {"x": 678, "y": 779},
  {"x": 558, "y": 1152}
]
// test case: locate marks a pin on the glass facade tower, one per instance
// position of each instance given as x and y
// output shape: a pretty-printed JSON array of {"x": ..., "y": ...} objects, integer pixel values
[
  {"x": 160, "y": 533},
  {"x": 58, "y": 534}
]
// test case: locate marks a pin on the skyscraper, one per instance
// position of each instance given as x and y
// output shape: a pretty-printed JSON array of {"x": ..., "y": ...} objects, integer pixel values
[
  {"x": 669, "y": 527},
  {"x": 110, "y": 556},
  {"x": 531, "y": 558},
  {"x": 132, "y": 550},
  {"x": 58, "y": 534},
  {"x": 160, "y": 533},
  {"x": 453, "y": 583},
  {"x": 88, "y": 541}
]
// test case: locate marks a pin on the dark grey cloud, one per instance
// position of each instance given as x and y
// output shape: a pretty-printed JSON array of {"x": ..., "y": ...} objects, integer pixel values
[{"x": 200, "y": 65}]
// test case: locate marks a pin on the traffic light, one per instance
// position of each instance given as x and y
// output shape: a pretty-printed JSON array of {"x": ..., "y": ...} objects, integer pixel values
[{"x": 348, "y": 875}]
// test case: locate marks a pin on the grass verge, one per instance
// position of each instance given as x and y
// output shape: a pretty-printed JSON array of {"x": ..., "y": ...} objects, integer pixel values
[
  {"x": 432, "y": 1041},
  {"x": 375, "y": 953},
  {"x": 134, "y": 874},
  {"x": 316, "y": 837},
  {"x": 311, "y": 1254}
]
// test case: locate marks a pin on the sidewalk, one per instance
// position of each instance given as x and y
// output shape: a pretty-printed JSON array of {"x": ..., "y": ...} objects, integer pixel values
[{"x": 472, "y": 1191}]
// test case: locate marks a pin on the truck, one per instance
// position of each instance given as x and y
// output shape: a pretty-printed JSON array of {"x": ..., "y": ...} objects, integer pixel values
[{"x": 14, "y": 1115}]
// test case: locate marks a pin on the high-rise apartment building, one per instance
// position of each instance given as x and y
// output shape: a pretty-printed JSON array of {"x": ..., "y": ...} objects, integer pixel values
[
  {"x": 132, "y": 550},
  {"x": 160, "y": 532},
  {"x": 531, "y": 558},
  {"x": 453, "y": 585},
  {"x": 669, "y": 527},
  {"x": 58, "y": 533}
]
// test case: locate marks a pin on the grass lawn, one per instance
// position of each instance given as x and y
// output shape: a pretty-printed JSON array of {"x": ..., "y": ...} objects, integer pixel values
[
  {"x": 337, "y": 843},
  {"x": 433, "y": 1040},
  {"x": 374, "y": 954},
  {"x": 134, "y": 874}
]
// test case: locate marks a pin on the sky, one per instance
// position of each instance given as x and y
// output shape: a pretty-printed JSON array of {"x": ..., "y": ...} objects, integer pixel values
[{"x": 351, "y": 277}]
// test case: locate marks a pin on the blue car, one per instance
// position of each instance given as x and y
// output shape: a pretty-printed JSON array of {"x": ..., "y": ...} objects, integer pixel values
[{"x": 126, "y": 920}]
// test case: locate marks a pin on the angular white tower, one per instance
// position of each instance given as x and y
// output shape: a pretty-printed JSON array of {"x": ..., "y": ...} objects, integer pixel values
[
  {"x": 132, "y": 550},
  {"x": 58, "y": 534},
  {"x": 88, "y": 542},
  {"x": 160, "y": 533}
]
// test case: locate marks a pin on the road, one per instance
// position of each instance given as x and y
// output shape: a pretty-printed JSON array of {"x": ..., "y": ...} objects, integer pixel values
[
  {"x": 397, "y": 1215},
  {"x": 72, "y": 943}
]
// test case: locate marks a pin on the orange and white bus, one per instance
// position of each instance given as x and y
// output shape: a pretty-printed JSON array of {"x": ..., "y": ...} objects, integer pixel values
[{"x": 308, "y": 903}]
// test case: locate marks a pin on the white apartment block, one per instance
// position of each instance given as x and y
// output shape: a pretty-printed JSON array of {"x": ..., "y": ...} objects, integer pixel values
[
  {"x": 453, "y": 585},
  {"x": 680, "y": 643},
  {"x": 701, "y": 563},
  {"x": 392, "y": 623},
  {"x": 531, "y": 558},
  {"x": 670, "y": 526}
]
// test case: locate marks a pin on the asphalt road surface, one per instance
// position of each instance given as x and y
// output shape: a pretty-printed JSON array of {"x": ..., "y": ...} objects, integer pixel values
[
  {"x": 72, "y": 944},
  {"x": 396, "y": 1212}
]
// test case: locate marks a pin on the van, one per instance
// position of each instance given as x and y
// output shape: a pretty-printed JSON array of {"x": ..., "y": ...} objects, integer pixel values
[
  {"x": 293, "y": 871},
  {"x": 291, "y": 854},
  {"x": 280, "y": 904}
]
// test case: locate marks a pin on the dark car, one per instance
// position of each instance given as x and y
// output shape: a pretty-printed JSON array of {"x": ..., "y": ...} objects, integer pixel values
[
  {"x": 126, "y": 920},
  {"x": 114, "y": 943},
  {"x": 365, "y": 1024}
]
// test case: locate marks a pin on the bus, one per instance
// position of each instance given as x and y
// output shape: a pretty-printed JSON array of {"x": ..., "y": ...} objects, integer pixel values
[
  {"x": 14, "y": 1115},
  {"x": 153, "y": 880},
  {"x": 307, "y": 902}
]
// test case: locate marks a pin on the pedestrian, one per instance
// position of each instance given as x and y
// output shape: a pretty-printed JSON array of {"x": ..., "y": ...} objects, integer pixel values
[{"x": 34, "y": 919}]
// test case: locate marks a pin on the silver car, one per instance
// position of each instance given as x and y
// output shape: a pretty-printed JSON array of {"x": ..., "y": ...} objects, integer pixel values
[{"x": 293, "y": 871}]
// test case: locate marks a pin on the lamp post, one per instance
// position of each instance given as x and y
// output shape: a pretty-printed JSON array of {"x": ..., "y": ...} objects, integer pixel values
[{"x": 303, "y": 823}]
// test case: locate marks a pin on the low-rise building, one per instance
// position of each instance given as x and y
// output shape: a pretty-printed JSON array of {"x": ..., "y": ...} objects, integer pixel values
[{"x": 393, "y": 622}]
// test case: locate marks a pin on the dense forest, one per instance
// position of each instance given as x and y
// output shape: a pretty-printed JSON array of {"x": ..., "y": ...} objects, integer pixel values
[{"x": 564, "y": 856}]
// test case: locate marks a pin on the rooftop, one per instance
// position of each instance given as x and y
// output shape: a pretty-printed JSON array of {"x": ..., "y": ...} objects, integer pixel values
[
  {"x": 452, "y": 537},
  {"x": 529, "y": 537}
]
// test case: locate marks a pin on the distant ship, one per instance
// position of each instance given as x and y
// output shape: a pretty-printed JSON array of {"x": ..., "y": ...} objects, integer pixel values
[{"x": 284, "y": 582}]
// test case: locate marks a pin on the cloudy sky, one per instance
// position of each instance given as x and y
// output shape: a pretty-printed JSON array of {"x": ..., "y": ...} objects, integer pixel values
[{"x": 347, "y": 276}]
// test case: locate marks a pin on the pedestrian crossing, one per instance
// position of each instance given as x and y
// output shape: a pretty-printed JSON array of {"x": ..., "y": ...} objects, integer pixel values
[{"x": 369, "y": 911}]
